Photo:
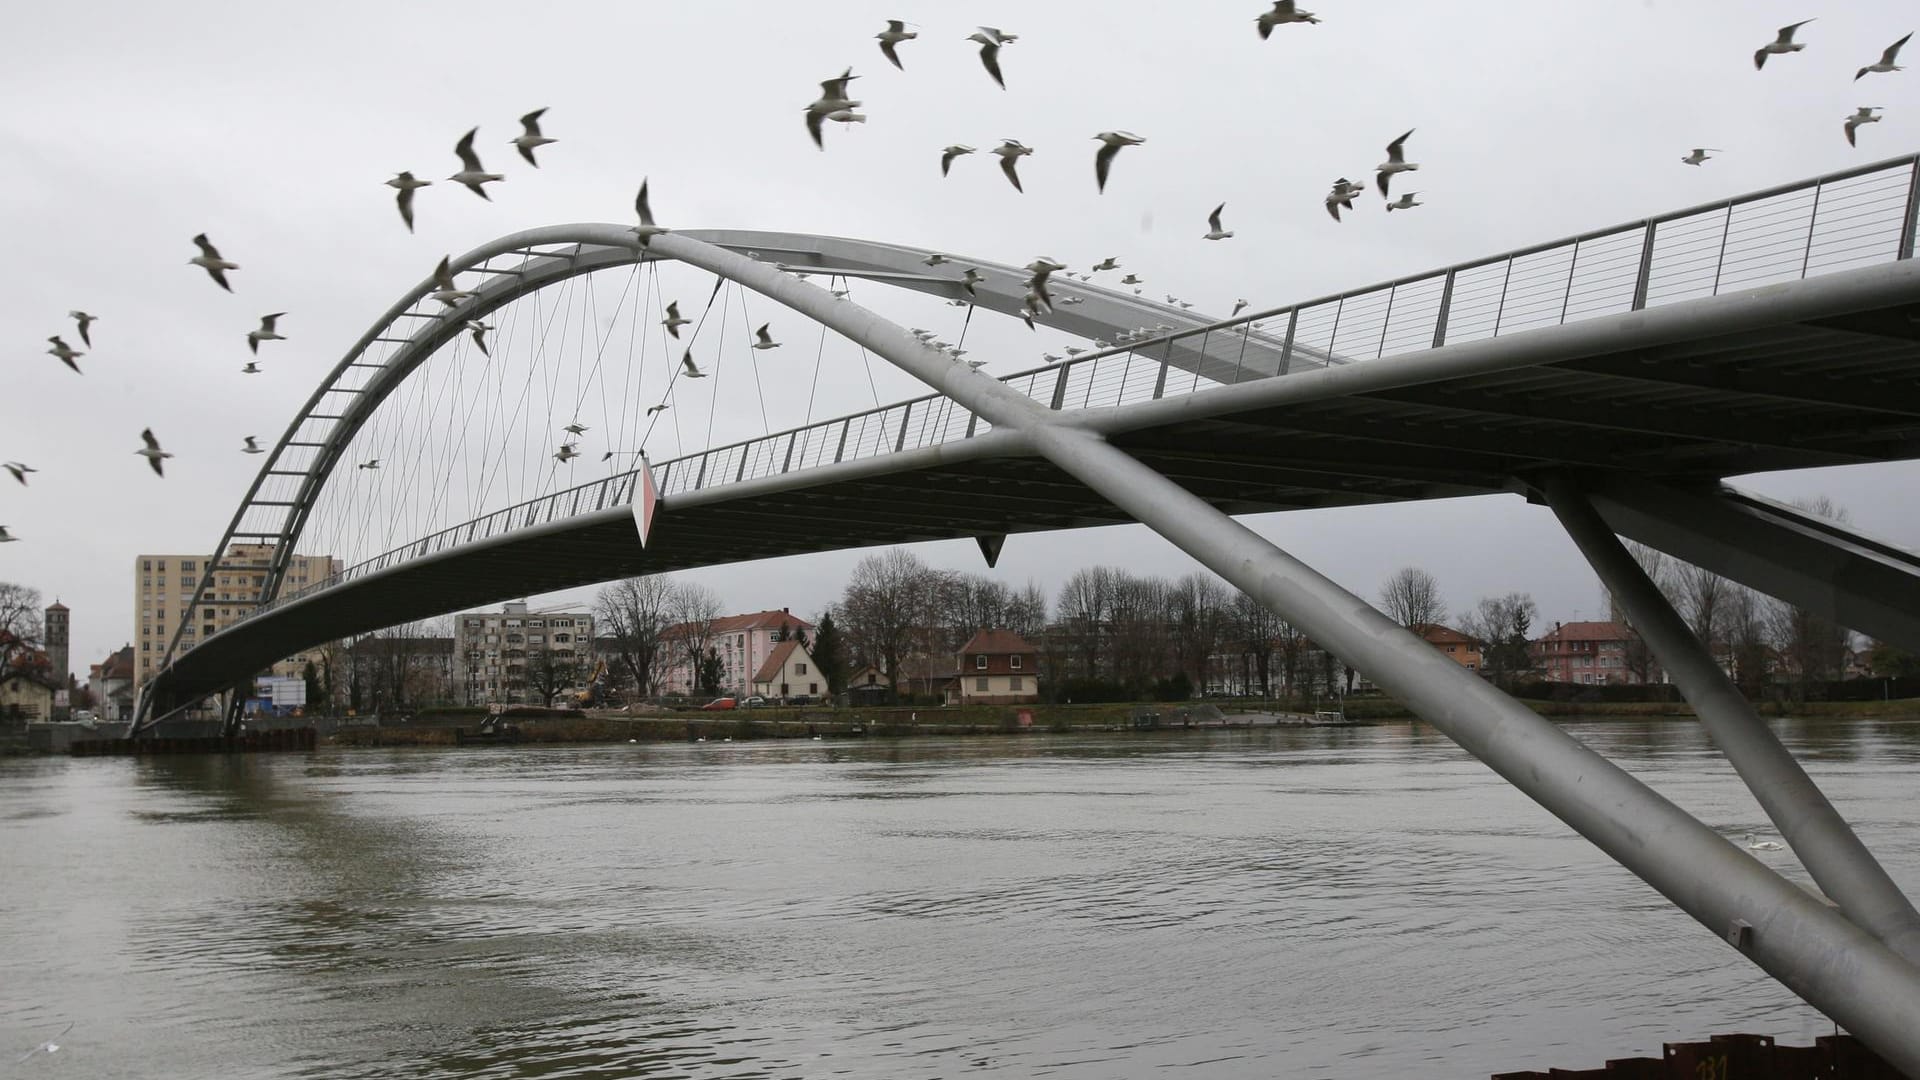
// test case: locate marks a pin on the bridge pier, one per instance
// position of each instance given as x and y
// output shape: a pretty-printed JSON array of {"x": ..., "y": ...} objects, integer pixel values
[{"x": 1830, "y": 850}]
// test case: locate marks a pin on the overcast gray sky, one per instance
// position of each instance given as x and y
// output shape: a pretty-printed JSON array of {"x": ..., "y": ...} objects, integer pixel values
[{"x": 271, "y": 127}]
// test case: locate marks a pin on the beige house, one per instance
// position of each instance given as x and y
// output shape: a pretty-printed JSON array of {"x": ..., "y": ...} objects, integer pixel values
[
  {"x": 788, "y": 672},
  {"x": 996, "y": 667},
  {"x": 25, "y": 697},
  {"x": 868, "y": 686}
]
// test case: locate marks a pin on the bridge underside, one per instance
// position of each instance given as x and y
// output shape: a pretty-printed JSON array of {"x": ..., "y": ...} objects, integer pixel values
[{"x": 1839, "y": 388}]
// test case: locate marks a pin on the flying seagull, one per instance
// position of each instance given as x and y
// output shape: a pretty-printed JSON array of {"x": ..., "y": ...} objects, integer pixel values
[
  {"x": 8, "y": 538},
  {"x": 646, "y": 230},
  {"x": 1108, "y": 263},
  {"x": 152, "y": 452},
  {"x": 50, "y": 1046},
  {"x": 1283, "y": 12},
  {"x": 209, "y": 260},
  {"x": 833, "y": 98},
  {"x": 566, "y": 453},
  {"x": 1396, "y": 162},
  {"x": 972, "y": 277},
  {"x": 472, "y": 173},
  {"x": 895, "y": 33},
  {"x": 1111, "y": 142},
  {"x": 1214, "y": 231},
  {"x": 1132, "y": 279},
  {"x": 265, "y": 333},
  {"x": 1865, "y": 115},
  {"x": 673, "y": 322},
  {"x": 764, "y": 340},
  {"x": 947, "y": 155},
  {"x": 370, "y": 463},
  {"x": 576, "y": 428},
  {"x": 252, "y": 447},
  {"x": 84, "y": 320},
  {"x": 990, "y": 41},
  {"x": 444, "y": 289},
  {"x": 19, "y": 470},
  {"x": 1781, "y": 44},
  {"x": 688, "y": 367},
  {"x": 934, "y": 259},
  {"x": 530, "y": 139},
  {"x": 1886, "y": 61},
  {"x": 1011, "y": 151},
  {"x": 252, "y": 368},
  {"x": 1700, "y": 154},
  {"x": 660, "y": 408},
  {"x": 478, "y": 331},
  {"x": 66, "y": 355},
  {"x": 1404, "y": 202},
  {"x": 1238, "y": 305},
  {"x": 404, "y": 182}
]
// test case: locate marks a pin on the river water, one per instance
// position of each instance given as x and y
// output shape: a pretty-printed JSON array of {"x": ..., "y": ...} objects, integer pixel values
[{"x": 1303, "y": 902}]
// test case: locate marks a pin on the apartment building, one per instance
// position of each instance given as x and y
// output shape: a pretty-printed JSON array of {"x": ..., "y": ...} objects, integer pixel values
[
  {"x": 505, "y": 657},
  {"x": 163, "y": 588}
]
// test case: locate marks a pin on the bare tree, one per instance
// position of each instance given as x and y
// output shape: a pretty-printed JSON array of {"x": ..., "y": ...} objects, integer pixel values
[
  {"x": 635, "y": 613},
  {"x": 1199, "y": 612},
  {"x": 1502, "y": 625},
  {"x": 20, "y": 629},
  {"x": 1411, "y": 597},
  {"x": 1255, "y": 630},
  {"x": 1703, "y": 596},
  {"x": 1086, "y": 608},
  {"x": 887, "y": 607},
  {"x": 694, "y": 608},
  {"x": 1744, "y": 623},
  {"x": 1813, "y": 646},
  {"x": 549, "y": 677},
  {"x": 1137, "y": 638},
  {"x": 1027, "y": 611}
]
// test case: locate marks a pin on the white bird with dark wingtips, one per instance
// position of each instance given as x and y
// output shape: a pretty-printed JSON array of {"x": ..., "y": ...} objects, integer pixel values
[
  {"x": 658, "y": 409},
  {"x": 65, "y": 354},
  {"x": 1405, "y": 202},
  {"x": 833, "y": 98},
  {"x": 934, "y": 259},
  {"x": 209, "y": 260},
  {"x": 405, "y": 183},
  {"x": 370, "y": 463},
  {"x": 444, "y": 288},
  {"x": 1050, "y": 358},
  {"x": 688, "y": 368},
  {"x": 478, "y": 331},
  {"x": 673, "y": 322},
  {"x": 970, "y": 278},
  {"x": 1284, "y": 12},
  {"x": 1886, "y": 61},
  {"x": 1700, "y": 154},
  {"x": 19, "y": 470},
  {"x": 1238, "y": 306},
  {"x": 576, "y": 428},
  {"x": 83, "y": 321},
  {"x": 566, "y": 453},
  {"x": 1108, "y": 263},
  {"x": 252, "y": 368},
  {"x": 472, "y": 174},
  {"x": 152, "y": 452},
  {"x": 1865, "y": 115},
  {"x": 646, "y": 230},
  {"x": 530, "y": 138},
  {"x": 990, "y": 41},
  {"x": 1340, "y": 197},
  {"x": 764, "y": 340},
  {"x": 1111, "y": 142},
  {"x": 265, "y": 333},
  {"x": 252, "y": 447},
  {"x": 1132, "y": 279},
  {"x": 1396, "y": 162},
  {"x": 1011, "y": 151},
  {"x": 1214, "y": 231},
  {"x": 1072, "y": 351},
  {"x": 1783, "y": 43},
  {"x": 949, "y": 153},
  {"x": 895, "y": 33}
]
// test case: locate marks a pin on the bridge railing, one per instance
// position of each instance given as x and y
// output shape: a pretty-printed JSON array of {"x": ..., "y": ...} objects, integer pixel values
[{"x": 1853, "y": 218}]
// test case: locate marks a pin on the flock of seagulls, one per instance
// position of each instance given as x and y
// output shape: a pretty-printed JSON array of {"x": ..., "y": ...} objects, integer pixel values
[{"x": 837, "y": 105}]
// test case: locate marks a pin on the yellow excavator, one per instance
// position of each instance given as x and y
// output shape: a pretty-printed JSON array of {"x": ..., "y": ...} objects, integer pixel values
[{"x": 595, "y": 694}]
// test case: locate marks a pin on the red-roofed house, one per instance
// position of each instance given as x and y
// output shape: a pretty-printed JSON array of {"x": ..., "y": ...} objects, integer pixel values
[
  {"x": 789, "y": 672},
  {"x": 996, "y": 667},
  {"x": 1457, "y": 647},
  {"x": 1589, "y": 653},
  {"x": 743, "y": 643}
]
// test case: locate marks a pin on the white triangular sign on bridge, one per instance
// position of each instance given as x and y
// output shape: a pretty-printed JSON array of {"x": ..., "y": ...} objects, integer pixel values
[{"x": 646, "y": 501}]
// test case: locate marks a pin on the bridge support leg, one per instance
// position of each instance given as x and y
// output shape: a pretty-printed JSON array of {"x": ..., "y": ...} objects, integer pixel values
[
  {"x": 1839, "y": 862},
  {"x": 1813, "y": 950}
]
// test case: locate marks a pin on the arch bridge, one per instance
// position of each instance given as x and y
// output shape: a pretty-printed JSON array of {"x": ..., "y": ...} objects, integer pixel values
[{"x": 1617, "y": 377}]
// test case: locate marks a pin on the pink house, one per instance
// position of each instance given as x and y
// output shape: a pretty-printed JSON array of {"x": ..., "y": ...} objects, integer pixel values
[
  {"x": 743, "y": 643},
  {"x": 1589, "y": 653}
]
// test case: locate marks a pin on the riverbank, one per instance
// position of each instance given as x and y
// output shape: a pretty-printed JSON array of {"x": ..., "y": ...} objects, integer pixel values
[{"x": 778, "y": 723}]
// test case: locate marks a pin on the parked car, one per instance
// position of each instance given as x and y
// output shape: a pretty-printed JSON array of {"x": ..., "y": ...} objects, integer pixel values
[
  {"x": 800, "y": 699},
  {"x": 756, "y": 702},
  {"x": 720, "y": 703}
]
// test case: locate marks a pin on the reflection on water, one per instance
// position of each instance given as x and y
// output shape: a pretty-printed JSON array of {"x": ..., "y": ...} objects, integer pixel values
[{"x": 1301, "y": 902}]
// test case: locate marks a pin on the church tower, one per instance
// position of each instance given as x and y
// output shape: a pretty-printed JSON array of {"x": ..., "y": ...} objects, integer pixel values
[{"x": 56, "y": 629}]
